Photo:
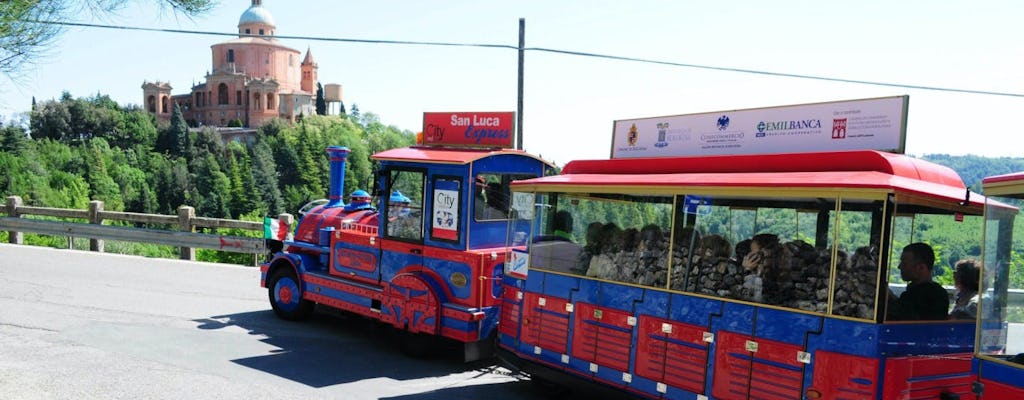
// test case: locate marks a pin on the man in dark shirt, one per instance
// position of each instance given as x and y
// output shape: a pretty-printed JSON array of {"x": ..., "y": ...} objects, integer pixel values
[{"x": 924, "y": 299}]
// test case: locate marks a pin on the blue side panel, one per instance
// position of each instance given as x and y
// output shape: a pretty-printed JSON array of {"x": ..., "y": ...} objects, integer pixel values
[
  {"x": 856, "y": 338},
  {"x": 926, "y": 338},
  {"x": 589, "y": 292},
  {"x": 738, "y": 318},
  {"x": 785, "y": 326},
  {"x": 445, "y": 269},
  {"x": 620, "y": 297},
  {"x": 559, "y": 285},
  {"x": 656, "y": 303},
  {"x": 364, "y": 255},
  {"x": 392, "y": 262},
  {"x": 1009, "y": 375},
  {"x": 536, "y": 282},
  {"x": 693, "y": 310}
]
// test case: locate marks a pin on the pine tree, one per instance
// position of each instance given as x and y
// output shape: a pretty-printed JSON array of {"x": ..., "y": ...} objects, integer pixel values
[
  {"x": 178, "y": 133},
  {"x": 321, "y": 102}
]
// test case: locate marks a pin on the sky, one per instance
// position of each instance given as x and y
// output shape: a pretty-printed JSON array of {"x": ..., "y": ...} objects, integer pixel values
[{"x": 570, "y": 102}]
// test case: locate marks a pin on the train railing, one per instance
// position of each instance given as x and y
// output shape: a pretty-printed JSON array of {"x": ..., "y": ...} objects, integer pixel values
[{"x": 185, "y": 237}]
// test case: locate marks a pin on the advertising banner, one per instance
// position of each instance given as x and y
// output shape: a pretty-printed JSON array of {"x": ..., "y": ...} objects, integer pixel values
[
  {"x": 867, "y": 124},
  {"x": 481, "y": 129},
  {"x": 446, "y": 210}
]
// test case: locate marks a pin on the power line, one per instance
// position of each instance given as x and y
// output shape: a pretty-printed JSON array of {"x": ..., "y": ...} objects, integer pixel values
[{"x": 544, "y": 50}]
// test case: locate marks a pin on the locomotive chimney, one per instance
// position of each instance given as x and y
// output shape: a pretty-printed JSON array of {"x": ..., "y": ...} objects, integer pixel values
[{"x": 337, "y": 156}]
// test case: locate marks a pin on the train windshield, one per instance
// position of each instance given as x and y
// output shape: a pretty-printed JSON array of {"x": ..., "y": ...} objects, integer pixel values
[{"x": 1000, "y": 301}]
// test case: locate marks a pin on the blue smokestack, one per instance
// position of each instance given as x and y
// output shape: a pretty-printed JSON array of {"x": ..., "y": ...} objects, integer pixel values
[{"x": 337, "y": 156}]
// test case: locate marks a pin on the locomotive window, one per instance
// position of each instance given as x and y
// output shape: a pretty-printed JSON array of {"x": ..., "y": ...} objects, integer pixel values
[
  {"x": 403, "y": 216},
  {"x": 491, "y": 195}
]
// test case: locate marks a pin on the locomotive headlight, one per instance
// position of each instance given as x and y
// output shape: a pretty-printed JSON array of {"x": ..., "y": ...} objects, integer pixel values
[{"x": 458, "y": 279}]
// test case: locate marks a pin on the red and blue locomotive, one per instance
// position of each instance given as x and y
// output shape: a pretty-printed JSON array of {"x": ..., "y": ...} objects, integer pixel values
[{"x": 424, "y": 252}]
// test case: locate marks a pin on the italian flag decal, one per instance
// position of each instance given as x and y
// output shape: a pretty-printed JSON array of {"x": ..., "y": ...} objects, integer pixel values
[{"x": 273, "y": 228}]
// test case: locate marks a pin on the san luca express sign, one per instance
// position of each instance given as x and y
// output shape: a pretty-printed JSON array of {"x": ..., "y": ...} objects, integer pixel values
[{"x": 484, "y": 129}]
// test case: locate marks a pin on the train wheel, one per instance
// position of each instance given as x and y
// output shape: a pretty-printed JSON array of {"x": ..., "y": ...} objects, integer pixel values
[{"x": 286, "y": 296}]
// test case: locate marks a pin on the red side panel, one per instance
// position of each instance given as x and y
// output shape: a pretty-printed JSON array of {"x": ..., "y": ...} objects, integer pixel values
[
  {"x": 672, "y": 353},
  {"x": 510, "y": 309},
  {"x": 545, "y": 322},
  {"x": 927, "y": 377},
  {"x": 412, "y": 304},
  {"x": 732, "y": 367},
  {"x": 998, "y": 390},
  {"x": 767, "y": 369},
  {"x": 852, "y": 377},
  {"x": 602, "y": 336}
]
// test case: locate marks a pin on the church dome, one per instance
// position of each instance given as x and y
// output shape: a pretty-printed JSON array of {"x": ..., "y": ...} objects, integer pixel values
[{"x": 256, "y": 14}]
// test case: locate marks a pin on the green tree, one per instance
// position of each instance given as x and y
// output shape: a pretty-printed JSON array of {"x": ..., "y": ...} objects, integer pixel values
[
  {"x": 321, "y": 102},
  {"x": 50, "y": 120},
  {"x": 265, "y": 179},
  {"x": 176, "y": 136},
  {"x": 212, "y": 189}
]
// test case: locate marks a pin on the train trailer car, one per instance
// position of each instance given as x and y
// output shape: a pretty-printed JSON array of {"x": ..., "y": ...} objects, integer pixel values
[
  {"x": 736, "y": 277},
  {"x": 999, "y": 362},
  {"x": 426, "y": 257}
]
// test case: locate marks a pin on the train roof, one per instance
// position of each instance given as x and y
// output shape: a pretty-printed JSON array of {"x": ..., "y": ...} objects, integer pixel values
[
  {"x": 844, "y": 169},
  {"x": 448, "y": 155},
  {"x": 1010, "y": 185}
]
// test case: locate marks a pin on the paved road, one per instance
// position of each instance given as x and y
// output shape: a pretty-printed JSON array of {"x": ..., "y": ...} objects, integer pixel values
[{"x": 80, "y": 325}]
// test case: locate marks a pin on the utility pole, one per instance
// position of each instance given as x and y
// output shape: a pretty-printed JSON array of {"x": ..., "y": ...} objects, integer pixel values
[{"x": 519, "y": 109}]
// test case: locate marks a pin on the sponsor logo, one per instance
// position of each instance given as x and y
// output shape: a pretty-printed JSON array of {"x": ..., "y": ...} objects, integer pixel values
[
  {"x": 662, "y": 133},
  {"x": 839, "y": 128},
  {"x": 773, "y": 128},
  {"x": 632, "y": 136},
  {"x": 723, "y": 122}
]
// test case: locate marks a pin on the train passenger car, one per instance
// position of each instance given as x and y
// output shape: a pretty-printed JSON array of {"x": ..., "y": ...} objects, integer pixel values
[
  {"x": 999, "y": 363},
  {"x": 426, "y": 256},
  {"x": 736, "y": 277}
]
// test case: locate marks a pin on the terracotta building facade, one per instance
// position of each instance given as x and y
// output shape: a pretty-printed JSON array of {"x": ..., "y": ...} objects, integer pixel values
[{"x": 253, "y": 79}]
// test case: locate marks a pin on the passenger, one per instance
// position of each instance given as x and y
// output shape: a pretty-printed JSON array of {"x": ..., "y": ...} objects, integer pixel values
[
  {"x": 924, "y": 299},
  {"x": 398, "y": 205},
  {"x": 562, "y": 224},
  {"x": 966, "y": 275},
  {"x": 768, "y": 264}
]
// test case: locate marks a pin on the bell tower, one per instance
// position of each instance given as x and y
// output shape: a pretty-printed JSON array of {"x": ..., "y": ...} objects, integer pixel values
[{"x": 309, "y": 70}]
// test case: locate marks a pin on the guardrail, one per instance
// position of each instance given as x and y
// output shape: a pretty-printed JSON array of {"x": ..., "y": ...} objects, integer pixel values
[{"x": 186, "y": 238}]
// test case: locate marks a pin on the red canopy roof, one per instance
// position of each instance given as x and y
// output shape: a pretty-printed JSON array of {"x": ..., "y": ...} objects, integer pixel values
[
  {"x": 847, "y": 169},
  {"x": 445, "y": 155}
]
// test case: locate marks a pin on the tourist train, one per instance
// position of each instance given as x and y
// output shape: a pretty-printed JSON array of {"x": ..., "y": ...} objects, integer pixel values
[{"x": 719, "y": 271}]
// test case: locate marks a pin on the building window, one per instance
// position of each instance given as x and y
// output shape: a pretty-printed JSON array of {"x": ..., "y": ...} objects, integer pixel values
[
  {"x": 247, "y": 31},
  {"x": 231, "y": 55},
  {"x": 291, "y": 60},
  {"x": 163, "y": 104},
  {"x": 270, "y": 101},
  {"x": 261, "y": 32},
  {"x": 238, "y": 97},
  {"x": 151, "y": 104},
  {"x": 222, "y": 94}
]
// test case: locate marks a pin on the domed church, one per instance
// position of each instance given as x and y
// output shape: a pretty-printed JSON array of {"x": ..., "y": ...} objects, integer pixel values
[{"x": 253, "y": 79}]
